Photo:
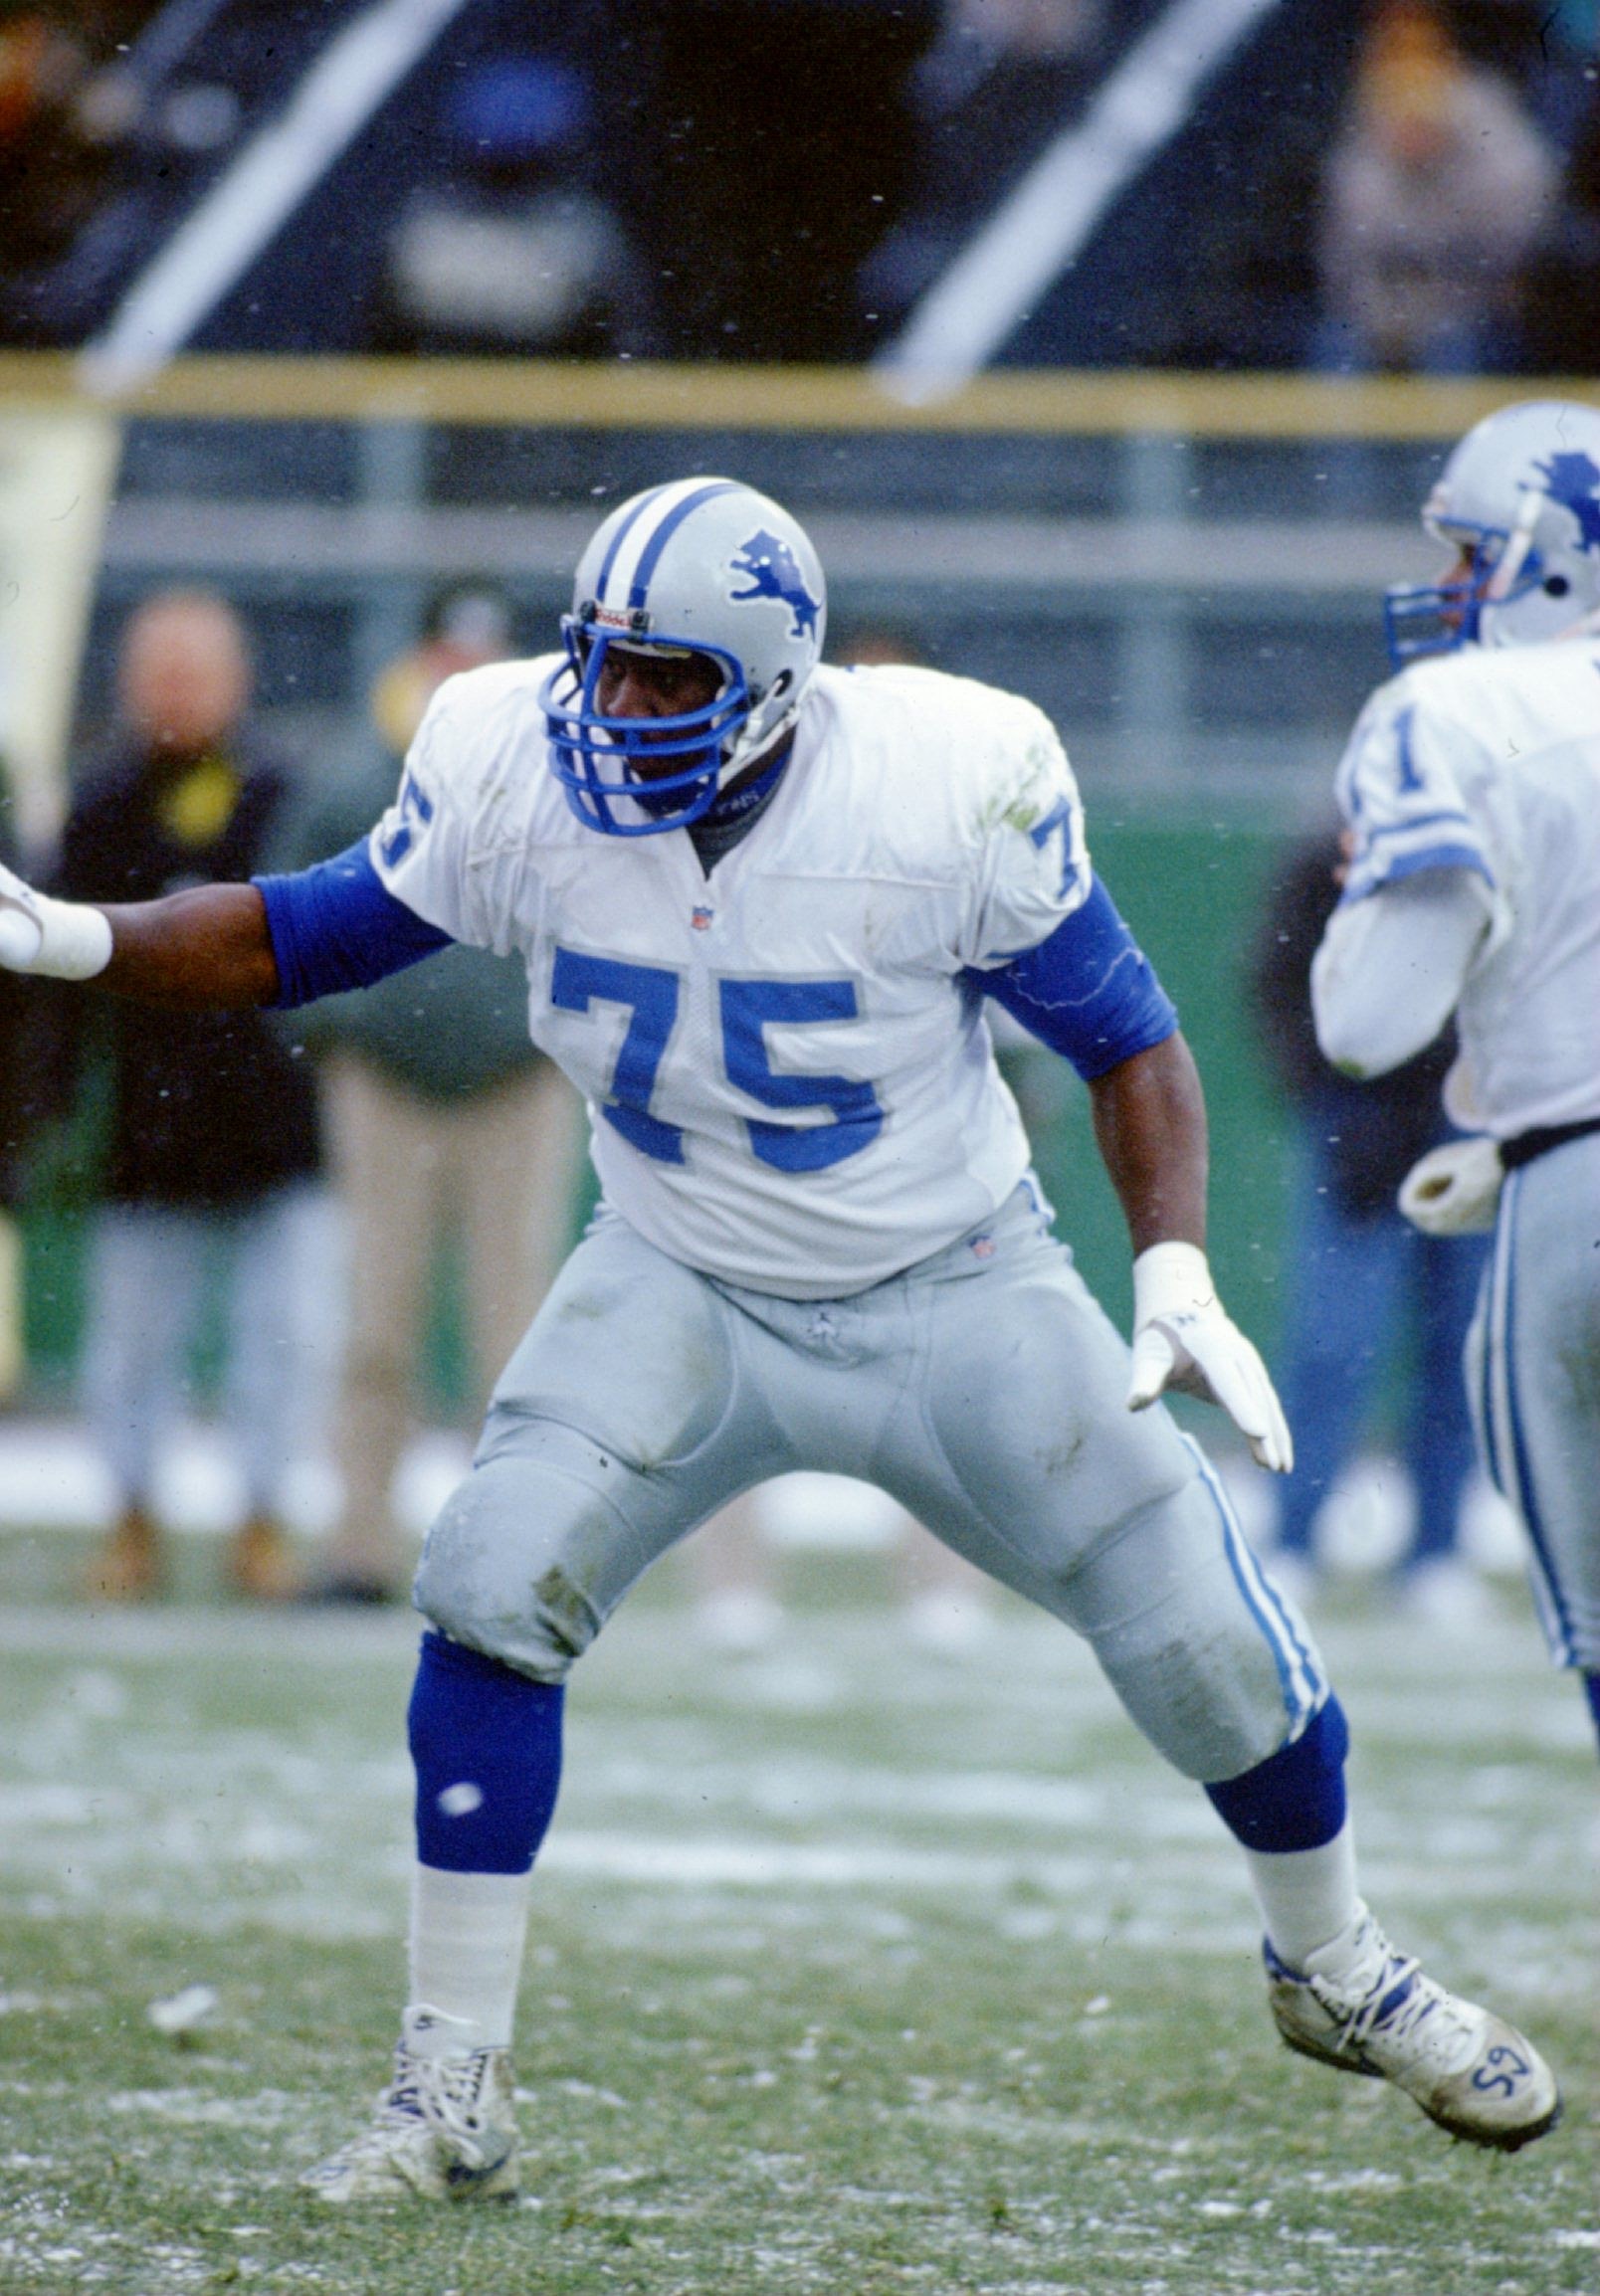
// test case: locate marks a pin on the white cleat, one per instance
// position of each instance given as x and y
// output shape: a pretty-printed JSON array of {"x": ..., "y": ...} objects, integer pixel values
[
  {"x": 1467, "y": 2068},
  {"x": 445, "y": 2129}
]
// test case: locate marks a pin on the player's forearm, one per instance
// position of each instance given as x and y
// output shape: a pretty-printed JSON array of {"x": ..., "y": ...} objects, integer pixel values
[
  {"x": 207, "y": 946},
  {"x": 1151, "y": 1126},
  {"x": 1392, "y": 965}
]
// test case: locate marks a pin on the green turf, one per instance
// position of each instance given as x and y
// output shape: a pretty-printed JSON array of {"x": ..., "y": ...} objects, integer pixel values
[{"x": 852, "y": 1969}]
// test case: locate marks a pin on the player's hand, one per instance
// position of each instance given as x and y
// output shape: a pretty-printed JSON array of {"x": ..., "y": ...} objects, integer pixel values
[
  {"x": 22, "y": 929},
  {"x": 1454, "y": 1190},
  {"x": 67, "y": 940},
  {"x": 1183, "y": 1340}
]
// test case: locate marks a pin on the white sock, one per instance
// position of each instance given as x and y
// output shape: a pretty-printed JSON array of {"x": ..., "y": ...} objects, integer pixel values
[
  {"x": 1306, "y": 1896},
  {"x": 466, "y": 1936}
]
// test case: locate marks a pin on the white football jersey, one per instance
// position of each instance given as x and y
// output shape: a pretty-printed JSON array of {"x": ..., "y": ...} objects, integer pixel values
[
  {"x": 1488, "y": 759},
  {"x": 790, "y": 1086}
]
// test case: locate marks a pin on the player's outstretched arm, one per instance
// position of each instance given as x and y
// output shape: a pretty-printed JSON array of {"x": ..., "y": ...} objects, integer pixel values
[
  {"x": 1150, "y": 1127},
  {"x": 1150, "y": 1124},
  {"x": 207, "y": 946}
]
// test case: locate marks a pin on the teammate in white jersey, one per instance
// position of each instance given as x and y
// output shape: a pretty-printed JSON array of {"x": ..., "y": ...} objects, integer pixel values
[
  {"x": 761, "y": 904},
  {"x": 1470, "y": 788}
]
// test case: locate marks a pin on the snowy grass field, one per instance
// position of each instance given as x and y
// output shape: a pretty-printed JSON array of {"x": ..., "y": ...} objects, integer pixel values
[{"x": 853, "y": 1968}]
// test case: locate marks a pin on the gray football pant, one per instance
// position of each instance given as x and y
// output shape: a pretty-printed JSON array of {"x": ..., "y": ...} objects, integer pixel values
[
  {"x": 1533, "y": 1379},
  {"x": 983, "y": 1389}
]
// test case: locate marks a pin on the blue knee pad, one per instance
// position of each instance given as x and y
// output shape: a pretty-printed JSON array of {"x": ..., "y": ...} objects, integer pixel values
[
  {"x": 1294, "y": 1800},
  {"x": 487, "y": 1747},
  {"x": 1591, "y": 1683}
]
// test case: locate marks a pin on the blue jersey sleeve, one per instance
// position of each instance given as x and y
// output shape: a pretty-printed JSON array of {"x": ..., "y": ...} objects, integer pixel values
[
  {"x": 336, "y": 925},
  {"x": 1088, "y": 992}
]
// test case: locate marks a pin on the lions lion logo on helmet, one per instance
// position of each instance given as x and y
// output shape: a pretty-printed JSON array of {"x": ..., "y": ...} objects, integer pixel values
[{"x": 775, "y": 573}]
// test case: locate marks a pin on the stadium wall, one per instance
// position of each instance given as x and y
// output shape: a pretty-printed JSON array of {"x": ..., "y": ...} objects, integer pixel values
[{"x": 1182, "y": 569}]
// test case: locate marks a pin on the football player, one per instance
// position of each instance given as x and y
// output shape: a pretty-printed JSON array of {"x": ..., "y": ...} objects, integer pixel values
[
  {"x": 762, "y": 903},
  {"x": 1471, "y": 792}
]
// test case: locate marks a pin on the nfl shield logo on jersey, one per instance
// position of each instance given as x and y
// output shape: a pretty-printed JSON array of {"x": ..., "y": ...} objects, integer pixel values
[{"x": 699, "y": 917}]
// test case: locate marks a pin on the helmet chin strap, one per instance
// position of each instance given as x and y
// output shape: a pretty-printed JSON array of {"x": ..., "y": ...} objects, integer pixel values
[
  {"x": 740, "y": 758},
  {"x": 1517, "y": 544}
]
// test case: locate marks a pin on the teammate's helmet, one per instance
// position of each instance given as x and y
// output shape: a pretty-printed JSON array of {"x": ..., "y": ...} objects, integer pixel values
[
  {"x": 1520, "y": 496},
  {"x": 703, "y": 566}
]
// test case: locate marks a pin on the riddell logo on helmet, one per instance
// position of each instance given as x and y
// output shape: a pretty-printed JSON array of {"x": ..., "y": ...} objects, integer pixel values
[
  {"x": 774, "y": 572},
  {"x": 613, "y": 617}
]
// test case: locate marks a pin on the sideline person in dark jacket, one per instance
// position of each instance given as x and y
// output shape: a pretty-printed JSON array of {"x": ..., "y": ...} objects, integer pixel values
[
  {"x": 211, "y": 1126},
  {"x": 442, "y": 1118}
]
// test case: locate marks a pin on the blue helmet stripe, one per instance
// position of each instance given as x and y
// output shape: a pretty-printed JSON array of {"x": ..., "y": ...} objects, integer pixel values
[
  {"x": 650, "y": 556},
  {"x": 622, "y": 531}
]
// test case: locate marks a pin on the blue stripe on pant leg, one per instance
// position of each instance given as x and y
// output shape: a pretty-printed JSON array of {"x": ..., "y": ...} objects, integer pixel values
[
  {"x": 1556, "y": 1617},
  {"x": 1493, "y": 1293},
  {"x": 1302, "y": 1683}
]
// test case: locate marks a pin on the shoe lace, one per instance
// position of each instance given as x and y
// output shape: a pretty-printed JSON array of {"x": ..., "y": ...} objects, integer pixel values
[
  {"x": 444, "y": 2092},
  {"x": 1394, "y": 2006}
]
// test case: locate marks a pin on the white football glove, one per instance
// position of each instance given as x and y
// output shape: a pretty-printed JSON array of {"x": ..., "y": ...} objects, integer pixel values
[
  {"x": 64, "y": 940},
  {"x": 1183, "y": 1340},
  {"x": 1454, "y": 1190}
]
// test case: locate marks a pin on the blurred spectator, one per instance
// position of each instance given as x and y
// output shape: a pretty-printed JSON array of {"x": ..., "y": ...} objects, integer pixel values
[
  {"x": 1249, "y": 294},
  {"x": 65, "y": 110},
  {"x": 1435, "y": 190},
  {"x": 53, "y": 154},
  {"x": 505, "y": 246},
  {"x": 775, "y": 155},
  {"x": 1362, "y": 1284},
  {"x": 213, "y": 1134},
  {"x": 1000, "y": 79},
  {"x": 441, "y": 1117},
  {"x": 1561, "y": 310}
]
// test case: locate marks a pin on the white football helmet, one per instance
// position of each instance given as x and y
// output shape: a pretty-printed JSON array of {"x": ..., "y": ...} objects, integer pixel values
[
  {"x": 701, "y": 566},
  {"x": 1520, "y": 496}
]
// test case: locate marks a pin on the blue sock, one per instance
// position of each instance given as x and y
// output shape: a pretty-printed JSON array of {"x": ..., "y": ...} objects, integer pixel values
[
  {"x": 1294, "y": 1800},
  {"x": 1591, "y": 1683},
  {"x": 485, "y": 1743}
]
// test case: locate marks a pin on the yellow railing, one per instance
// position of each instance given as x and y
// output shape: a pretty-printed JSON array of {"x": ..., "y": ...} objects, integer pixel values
[{"x": 617, "y": 395}]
